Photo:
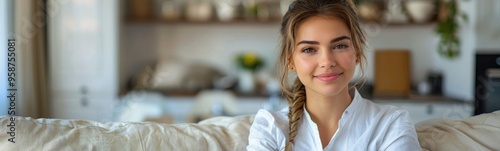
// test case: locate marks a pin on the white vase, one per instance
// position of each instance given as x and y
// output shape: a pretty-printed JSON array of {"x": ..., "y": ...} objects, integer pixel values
[
  {"x": 246, "y": 82},
  {"x": 199, "y": 11},
  {"x": 226, "y": 9},
  {"x": 424, "y": 88},
  {"x": 420, "y": 10}
]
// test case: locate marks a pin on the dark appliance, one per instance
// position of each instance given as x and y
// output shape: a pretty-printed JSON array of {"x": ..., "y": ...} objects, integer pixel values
[
  {"x": 487, "y": 82},
  {"x": 436, "y": 81}
]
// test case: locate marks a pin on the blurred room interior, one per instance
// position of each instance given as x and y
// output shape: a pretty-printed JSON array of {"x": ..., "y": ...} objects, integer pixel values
[{"x": 176, "y": 61}]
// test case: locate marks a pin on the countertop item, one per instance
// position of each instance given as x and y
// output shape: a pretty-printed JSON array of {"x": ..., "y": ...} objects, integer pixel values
[{"x": 392, "y": 73}]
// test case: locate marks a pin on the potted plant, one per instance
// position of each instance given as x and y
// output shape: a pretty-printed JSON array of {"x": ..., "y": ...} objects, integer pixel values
[
  {"x": 249, "y": 63},
  {"x": 448, "y": 26}
]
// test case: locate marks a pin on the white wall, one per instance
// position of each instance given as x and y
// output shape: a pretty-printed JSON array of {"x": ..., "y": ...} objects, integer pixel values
[
  {"x": 138, "y": 48},
  {"x": 218, "y": 44},
  {"x": 459, "y": 72},
  {"x": 488, "y": 25}
]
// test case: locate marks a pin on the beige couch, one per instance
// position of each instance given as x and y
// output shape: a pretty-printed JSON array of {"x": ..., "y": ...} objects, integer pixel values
[{"x": 220, "y": 133}]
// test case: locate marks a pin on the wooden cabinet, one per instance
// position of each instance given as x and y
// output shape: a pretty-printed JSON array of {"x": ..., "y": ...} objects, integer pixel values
[
  {"x": 74, "y": 105},
  {"x": 82, "y": 54}
]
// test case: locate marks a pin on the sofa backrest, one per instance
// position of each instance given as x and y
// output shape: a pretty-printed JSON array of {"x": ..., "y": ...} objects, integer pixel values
[
  {"x": 481, "y": 132},
  {"x": 219, "y": 133}
]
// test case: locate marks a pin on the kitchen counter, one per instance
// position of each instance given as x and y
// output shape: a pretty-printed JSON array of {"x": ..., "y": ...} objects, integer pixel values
[{"x": 139, "y": 106}]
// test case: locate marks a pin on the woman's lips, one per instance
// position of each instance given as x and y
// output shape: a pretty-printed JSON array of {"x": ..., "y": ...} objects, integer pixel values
[{"x": 328, "y": 77}]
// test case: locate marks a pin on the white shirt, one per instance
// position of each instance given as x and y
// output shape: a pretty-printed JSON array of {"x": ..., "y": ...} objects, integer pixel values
[{"x": 363, "y": 126}]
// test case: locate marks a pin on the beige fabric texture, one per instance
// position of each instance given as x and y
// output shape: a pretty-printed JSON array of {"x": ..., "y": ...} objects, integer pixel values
[
  {"x": 481, "y": 132},
  {"x": 478, "y": 133},
  {"x": 218, "y": 133}
]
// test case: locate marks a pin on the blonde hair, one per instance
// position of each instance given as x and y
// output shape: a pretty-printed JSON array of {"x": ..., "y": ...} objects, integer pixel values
[{"x": 298, "y": 11}]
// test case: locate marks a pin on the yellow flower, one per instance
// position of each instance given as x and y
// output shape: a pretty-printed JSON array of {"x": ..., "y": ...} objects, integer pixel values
[{"x": 249, "y": 59}]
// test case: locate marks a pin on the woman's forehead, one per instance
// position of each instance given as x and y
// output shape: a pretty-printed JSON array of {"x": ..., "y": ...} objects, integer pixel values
[{"x": 321, "y": 27}]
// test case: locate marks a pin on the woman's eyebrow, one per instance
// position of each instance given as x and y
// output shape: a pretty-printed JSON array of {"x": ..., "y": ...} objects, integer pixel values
[
  {"x": 332, "y": 41},
  {"x": 339, "y": 39},
  {"x": 307, "y": 42}
]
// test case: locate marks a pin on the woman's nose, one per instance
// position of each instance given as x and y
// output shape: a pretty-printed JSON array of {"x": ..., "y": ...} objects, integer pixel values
[{"x": 327, "y": 60}]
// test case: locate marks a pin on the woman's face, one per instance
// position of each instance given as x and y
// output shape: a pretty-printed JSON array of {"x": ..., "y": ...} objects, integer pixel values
[{"x": 324, "y": 57}]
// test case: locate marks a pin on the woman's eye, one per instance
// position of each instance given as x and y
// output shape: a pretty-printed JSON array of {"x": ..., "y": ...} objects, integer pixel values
[
  {"x": 341, "y": 46},
  {"x": 307, "y": 50}
]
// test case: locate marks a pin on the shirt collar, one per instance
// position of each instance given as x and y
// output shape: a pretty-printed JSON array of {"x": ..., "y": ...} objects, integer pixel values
[{"x": 356, "y": 101}]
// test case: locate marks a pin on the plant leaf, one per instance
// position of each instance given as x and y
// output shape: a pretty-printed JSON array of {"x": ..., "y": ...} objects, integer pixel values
[{"x": 464, "y": 17}]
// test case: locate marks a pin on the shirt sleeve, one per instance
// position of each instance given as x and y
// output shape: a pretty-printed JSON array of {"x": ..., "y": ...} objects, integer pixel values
[
  {"x": 401, "y": 135},
  {"x": 264, "y": 133}
]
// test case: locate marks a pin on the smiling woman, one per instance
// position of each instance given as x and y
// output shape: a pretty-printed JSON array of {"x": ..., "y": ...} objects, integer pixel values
[{"x": 322, "y": 43}]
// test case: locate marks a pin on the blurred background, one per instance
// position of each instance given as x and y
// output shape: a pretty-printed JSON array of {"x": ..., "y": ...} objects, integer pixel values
[{"x": 176, "y": 61}]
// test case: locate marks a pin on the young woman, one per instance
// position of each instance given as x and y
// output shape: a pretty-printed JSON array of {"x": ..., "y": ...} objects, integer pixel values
[{"x": 322, "y": 43}]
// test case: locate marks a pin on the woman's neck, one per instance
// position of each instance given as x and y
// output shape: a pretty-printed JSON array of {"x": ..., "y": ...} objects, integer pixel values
[
  {"x": 327, "y": 108},
  {"x": 326, "y": 112}
]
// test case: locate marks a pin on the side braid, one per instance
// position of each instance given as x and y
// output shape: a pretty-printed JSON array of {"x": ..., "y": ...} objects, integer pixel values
[{"x": 296, "y": 103}]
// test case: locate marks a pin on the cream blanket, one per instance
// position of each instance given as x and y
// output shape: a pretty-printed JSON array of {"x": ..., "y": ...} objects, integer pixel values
[
  {"x": 219, "y": 133},
  {"x": 479, "y": 133}
]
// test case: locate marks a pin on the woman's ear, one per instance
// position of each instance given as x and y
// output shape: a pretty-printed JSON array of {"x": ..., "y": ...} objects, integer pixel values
[
  {"x": 290, "y": 66},
  {"x": 358, "y": 58}
]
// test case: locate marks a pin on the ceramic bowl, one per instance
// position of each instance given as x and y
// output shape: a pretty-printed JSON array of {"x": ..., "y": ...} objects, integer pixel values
[{"x": 420, "y": 11}]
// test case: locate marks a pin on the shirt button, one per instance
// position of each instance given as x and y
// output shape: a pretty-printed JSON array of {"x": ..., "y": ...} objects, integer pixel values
[{"x": 346, "y": 112}]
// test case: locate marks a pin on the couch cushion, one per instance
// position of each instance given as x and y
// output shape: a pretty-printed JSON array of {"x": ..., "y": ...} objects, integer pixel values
[
  {"x": 219, "y": 133},
  {"x": 480, "y": 132}
]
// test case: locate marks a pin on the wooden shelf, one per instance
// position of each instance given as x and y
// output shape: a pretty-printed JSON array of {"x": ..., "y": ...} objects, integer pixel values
[
  {"x": 257, "y": 22},
  {"x": 408, "y": 24},
  {"x": 236, "y": 21},
  {"x": 272, "y": 21}
]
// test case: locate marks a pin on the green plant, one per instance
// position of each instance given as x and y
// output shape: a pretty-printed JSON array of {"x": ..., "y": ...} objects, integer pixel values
[
  {"x": 447, "y": 28},
  {"x": 249, "y": 61}
]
